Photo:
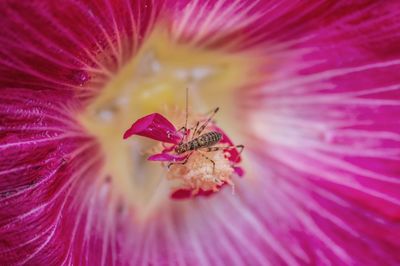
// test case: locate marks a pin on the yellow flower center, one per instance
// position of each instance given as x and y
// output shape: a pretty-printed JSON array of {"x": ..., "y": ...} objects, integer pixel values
[{"x": 154, "y": 79}]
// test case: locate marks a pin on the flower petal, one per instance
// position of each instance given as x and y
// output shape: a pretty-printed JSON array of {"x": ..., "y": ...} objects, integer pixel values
[
  {"x": 239, "y": 171},
  {"x": 46, "y": 164},
  {"x": 324, "y": 132},
  {"x": 44, "y": 46},
  {"x": 181, "y": 194},
  {"x": 241, "y": 25},
  {"x": 234, "y": 155},
  {"x": 186, "y": 194},
  {"x": 322, "y": 189},
  {"x": 154, "y": 126},
  {"x": 55, "y": 57},
  {"x": 166, "y": 157}
]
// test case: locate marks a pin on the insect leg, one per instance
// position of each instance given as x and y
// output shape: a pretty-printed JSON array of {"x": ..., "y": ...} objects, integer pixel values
[
  {"x": 187, "y": 107},
  {"x": 204, "y": 125},
  {"x": 218, "y": 148},
  {"x": 195, "y": 130},
  {"x": 184, "y": 162},
  {"x": 184, "y": 137},
  {"x": 210, "y": 161}
]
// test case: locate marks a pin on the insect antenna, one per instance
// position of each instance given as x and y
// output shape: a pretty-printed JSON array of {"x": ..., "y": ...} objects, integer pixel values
[
  {"x": 187, "y": 108},
  {"x": 184, "y": 128},
  {"x": 204, "y": 125}
]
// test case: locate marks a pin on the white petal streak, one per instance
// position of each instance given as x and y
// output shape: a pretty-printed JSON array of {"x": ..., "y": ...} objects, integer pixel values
[
  {"x": 216, "y": 229},
  {"x": 70, "y": 183},
  {"x": 325, "y": 75},
  {"x": 315, "y": 229},
  {"x": 350, "y": 168},
  {"x": 46, "y": 40},
  {"x": 85, "y": 204},
  {"x": 270, "y": 239},
  {"x": 29, "y": 240},
  {"x": 33, "y": 142},
  {"x": 146, "y": 245},
  {"x": 301, "y": 197},
  {"x": 259, "y": 229},
  {"x": 201, "y": 18},
  {"x": 331, "y": 176},
  {"x": 240, "y": 235},
  {"x": 196, "y": 242},
  {"x": 297, "y": 214},
  {"x": 175, "y": 252},
  {"x": 117, "y": 50},
  {"x": 51, "y": 235},
  {"x": 107, "y": 231}
]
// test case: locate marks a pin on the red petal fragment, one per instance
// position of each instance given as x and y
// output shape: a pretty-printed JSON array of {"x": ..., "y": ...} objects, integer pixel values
[
  {"x": 239, "y": 171},
  {"x": 186, "y": 194},
  {"x": 234, "y": 155},
  {"x": 165, "y": 157},
  {"x": 154, "y": 126},
  {"x": 180, "y": 194}
]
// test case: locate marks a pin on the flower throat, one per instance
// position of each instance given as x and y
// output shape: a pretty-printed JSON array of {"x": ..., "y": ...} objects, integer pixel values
[{"x": 154, "y": 80}]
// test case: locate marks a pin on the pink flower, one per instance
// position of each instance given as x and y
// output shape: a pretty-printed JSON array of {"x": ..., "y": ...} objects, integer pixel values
[{"x": 311, "y": 88}]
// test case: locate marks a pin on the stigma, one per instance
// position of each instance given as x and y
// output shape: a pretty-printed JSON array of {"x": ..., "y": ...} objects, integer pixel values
[{"x": 202, "y": 173}]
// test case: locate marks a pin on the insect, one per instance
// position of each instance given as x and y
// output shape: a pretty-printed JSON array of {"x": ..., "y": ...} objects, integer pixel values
[
  {"x": 201, "y": 142},
  {"x": 204, "y": 141}
]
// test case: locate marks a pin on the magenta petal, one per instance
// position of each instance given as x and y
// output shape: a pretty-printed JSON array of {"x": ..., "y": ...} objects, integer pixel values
[
  {"x": 260, "y": 21},
  {"x": 234, "y": 155},
  {"x": 42, "y": 163},
  {"x": 154, "y": 126},
  {"x": 45, "y": 46},
  {"x": 324, "y": 192},
  {"x": 165, "y": 157},
  {"x": 239, "y": 171},
  {"x": 181, "y": 194}
]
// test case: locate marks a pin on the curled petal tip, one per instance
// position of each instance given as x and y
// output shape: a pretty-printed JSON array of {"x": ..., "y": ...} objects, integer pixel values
[
  {"x": 154, "y": 126},
  {"x": 233, "y": 154}
]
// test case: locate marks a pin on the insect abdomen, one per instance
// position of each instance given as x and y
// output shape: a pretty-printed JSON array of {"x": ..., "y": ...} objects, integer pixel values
[{"x": 206, "y": 140}]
